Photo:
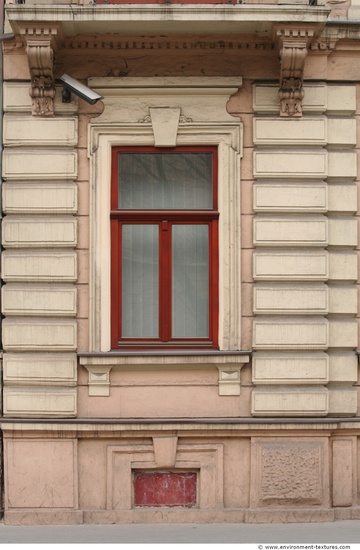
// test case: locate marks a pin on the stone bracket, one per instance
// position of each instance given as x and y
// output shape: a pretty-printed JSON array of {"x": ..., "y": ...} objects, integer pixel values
[
  {"x": 229, "y": 379},
  {"x": 99, "y": 380},
  {"x": 293, "y": 43},
  {"x": 41, "y": 41}
]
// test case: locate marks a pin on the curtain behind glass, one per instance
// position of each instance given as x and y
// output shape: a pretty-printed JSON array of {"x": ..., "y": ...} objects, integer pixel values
[
  {"x": 172, "y": 181},
  {"x": 140, "y": 281},
  {"x": 190, "y": 281}
]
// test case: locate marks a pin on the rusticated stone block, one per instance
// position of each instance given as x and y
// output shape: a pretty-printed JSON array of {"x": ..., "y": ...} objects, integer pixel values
[
  {"x": 29, "y": 334},
  {"x": 42, "y": 131},
  {"x": 270, "y": 197},
  {"x": 39, "y": 402},
  {"x": 293, "y": 265},
  {"x": 290, "y": 333},
  {"x": 39, "y": 300},
  {"x": 290, "y": 131},
  {"x": 290, "y": 401},
  {"x": 291, "y": 299},
  {"x": 290, "y": 368},
  {"x": 35, "y": 164},
  {"x": 291, "y": 231},
  {"x": 39, "y": 266},
  {"x": 288, "y": 472},
  {"x": 287, "y": 163},
  {"x": 40, "y": 369},
  {"x": 23, "y": 232},
  {"x": 343, "y": 401},
  {"x": 40, "y": 198},
  {"x": 17, "y": 99}
]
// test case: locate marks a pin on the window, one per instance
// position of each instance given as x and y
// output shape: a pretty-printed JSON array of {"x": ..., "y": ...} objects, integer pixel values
[{"x": 164, "y": 244}]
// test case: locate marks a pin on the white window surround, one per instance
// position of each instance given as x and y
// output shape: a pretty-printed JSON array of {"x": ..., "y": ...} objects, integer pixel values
[{"x": 225, "y": 132}]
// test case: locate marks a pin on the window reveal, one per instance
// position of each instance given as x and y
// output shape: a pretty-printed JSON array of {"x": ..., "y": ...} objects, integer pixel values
[{"x": 164, "y": 247}]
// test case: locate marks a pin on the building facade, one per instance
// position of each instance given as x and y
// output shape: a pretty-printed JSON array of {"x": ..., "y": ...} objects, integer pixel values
[{"x": 180, "y": 261}]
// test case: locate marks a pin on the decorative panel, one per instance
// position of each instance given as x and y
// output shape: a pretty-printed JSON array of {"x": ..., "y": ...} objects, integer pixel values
[{"x": 289, "y": 472}]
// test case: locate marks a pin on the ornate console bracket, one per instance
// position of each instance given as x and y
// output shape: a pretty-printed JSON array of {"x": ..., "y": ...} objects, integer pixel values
[
  {"x": 40, "y": 44},
  {"x": 293, "y": 43}
]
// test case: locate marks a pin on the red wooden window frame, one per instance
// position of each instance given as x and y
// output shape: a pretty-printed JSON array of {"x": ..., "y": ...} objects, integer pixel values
[{"x": 164, "y": 219}]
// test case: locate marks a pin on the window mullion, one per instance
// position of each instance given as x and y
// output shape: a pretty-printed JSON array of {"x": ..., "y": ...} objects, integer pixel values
[{"x": 165, "y": 281}]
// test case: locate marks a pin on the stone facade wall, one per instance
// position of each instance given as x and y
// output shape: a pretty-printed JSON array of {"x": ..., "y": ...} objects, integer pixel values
[
  {"x": 268, "y": 422},
  {"x": 39, "y": 262}
]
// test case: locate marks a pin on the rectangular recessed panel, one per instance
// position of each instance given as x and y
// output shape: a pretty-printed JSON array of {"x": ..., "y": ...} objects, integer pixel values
[{"x": 165, "y": 489}]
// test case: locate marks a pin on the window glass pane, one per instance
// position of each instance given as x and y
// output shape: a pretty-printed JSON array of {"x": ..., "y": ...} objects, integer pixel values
[
  {"x": 140, "y": 281},
  {"x": 190, "y": 281},
  {"x": 165, "y": 181}
]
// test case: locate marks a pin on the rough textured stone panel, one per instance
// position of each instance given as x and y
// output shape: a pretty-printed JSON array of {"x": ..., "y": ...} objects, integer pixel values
[{"x": 289, "y": 473}]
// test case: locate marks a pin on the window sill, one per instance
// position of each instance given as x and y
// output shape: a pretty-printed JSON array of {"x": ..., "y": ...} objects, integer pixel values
[{"x": 228, "y": 363}]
